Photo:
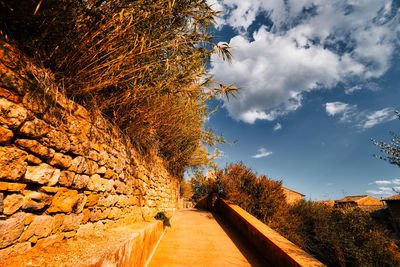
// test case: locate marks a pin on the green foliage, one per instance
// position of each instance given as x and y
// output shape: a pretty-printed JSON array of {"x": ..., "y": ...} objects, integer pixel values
[
  {"x": 337, "y": 237},
  {"x": 392, "y": 150},
  {"x": 162, "y": 217},
  {"x": 140, "y": 63}
]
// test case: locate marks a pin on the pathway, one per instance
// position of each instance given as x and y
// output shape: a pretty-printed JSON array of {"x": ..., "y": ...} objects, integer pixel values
[{"x": 197, "y": 238}]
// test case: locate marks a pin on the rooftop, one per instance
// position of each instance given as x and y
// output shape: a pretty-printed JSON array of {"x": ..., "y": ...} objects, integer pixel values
[{"x": 395, "y": 197}]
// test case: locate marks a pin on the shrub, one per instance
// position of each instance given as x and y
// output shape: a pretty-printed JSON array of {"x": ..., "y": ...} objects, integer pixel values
[
  {"x": 259, "y": 195},
  {"x": 162, "y": 217},
  {"x": 337, "y": 237}
]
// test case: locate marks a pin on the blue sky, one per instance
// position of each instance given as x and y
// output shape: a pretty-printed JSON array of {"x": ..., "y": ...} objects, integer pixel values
[{"x": 318, "y": 80}]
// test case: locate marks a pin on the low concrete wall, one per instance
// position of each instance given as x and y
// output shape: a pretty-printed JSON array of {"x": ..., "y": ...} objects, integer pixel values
[
  {"x": 136, "y": 250},
  {"x": 271, "y": 245},
  {"x": 129, "y": 245},
  {"x": 207, "y": 203}
]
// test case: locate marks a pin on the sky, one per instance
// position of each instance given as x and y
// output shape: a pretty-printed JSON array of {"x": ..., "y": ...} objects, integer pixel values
[{"x": 318, "y": 79}]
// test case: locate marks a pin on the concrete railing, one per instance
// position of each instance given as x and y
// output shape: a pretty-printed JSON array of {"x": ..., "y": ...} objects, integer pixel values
[{"x": 271, "y": 245}]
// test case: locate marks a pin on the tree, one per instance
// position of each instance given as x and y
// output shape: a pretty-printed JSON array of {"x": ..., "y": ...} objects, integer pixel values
[
  {"x": 185, "y": 189},
  {"x": 391, "y": 150}
]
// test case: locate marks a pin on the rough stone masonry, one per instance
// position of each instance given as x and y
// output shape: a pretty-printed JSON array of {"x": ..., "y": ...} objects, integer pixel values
[{"x": 63, "y": 172}]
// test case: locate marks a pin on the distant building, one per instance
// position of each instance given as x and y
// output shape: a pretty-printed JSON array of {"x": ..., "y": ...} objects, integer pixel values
[
  {"x": 292, "y": 196},
  {"x": 393, "y": 203},
  {"x": 364, "y": 202}
]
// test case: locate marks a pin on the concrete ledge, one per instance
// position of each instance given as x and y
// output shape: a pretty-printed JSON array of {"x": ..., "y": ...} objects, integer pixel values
[
  {"x": 136, "y": 250},
  {"x": 129, "y": 245},
  {"x": 270, "y": 244}
]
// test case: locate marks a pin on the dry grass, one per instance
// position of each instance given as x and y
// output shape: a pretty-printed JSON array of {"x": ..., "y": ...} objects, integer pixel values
[{"x": 140, "y": 63}]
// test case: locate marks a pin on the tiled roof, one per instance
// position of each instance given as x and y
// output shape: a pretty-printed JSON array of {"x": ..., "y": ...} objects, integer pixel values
[
  {"x": 352, "y": 198},
  {"x": 395, "y": 197}
]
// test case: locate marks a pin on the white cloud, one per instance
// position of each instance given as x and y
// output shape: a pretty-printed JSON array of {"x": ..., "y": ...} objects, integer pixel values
[
  {"x": 277, "y": 126},
  {"x": 386, "y": 182},
  {"x": 368, "y": 86},
  {"x": 345, "y": 111},
  {"x": 301, "y": 51},
  {"x": 383, "y": 191},
  {"x": 362, "y": 119},
  {"x": 262, "y": 152},
  {"x": 377, "y": 117}
]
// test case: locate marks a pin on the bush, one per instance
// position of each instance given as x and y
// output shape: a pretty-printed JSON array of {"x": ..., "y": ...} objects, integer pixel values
[
  {"x": 162, "y": 217},
  {"x": 337, "y": 237},
  {"x": 260, "y": 196},
  {"x": 141, "y": 63}
]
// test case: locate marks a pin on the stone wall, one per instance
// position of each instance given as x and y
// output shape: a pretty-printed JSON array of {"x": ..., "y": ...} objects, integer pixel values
[{"x": 63, "y": 171}]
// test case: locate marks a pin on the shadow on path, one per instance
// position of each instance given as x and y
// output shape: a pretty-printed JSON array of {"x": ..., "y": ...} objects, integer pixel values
[{"x": 246, "y": 248}]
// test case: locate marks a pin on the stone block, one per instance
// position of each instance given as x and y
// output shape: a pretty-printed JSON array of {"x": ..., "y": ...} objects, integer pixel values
[
  {"x": 115, "y": 213},
  {"x": 20, "y": 248},
  {"x": 85, "y": 230},
  {"x": 80, "y": 204},
  {"x": 42, "y": 174},
  {"x": 33, "y": 160},
  {"x": 78, "y": 165},
  {"x": 86, "y": 214},
  {"x": 66, "y": 178},
  {"x": 12, "y": 114},
  {"x": 108, "y": 201},
  {"x": 95, "y": 215},
  {"x": 103, "y": 158},
  {"x": 36, "y": 148},
  {"x": 61, "y": 161},
  {"x": 78, "y": 146},
  {"x": 94, "y": 155},
  {"x": 29, "y": 218},
  {"x": 120, "y": 187},
  {"x": 80, "y": 181},
  {"x": 35, "y": 200},
  {"x": 6, "y": 135},
  {"x": 72, "y": 222},
  {"x": 41, "y": 226},
  {"x": 69, "y": 234},
  {"x": 49, "y": 241},
  {"x": 63, "y": 201},
  {"x": 92, "y": 199},
  {"x": 12, "y": 187},
  {"x": 92, "y": 167},
  {"x": 35, "y": 128},
  {"x": 58, "y": 140},
  {"x": 96, "y": 183},
  {"x": 110, "y": 174},
  {"x": 101, "y": 170},
  {"x": 12, "y": 163},
  {"x": 58, "y": 221},
  {"x": 11, "y": 229},
  {"x": 12, "y": 203}
]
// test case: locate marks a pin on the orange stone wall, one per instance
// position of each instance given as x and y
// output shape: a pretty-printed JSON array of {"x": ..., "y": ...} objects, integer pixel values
[{"x": 63, "y": 171}]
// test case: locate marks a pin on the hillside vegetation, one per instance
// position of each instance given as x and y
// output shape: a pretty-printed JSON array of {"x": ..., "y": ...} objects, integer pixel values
[
  {"x": 336, "y": 237},
  {"x": 140, "y": 64}
]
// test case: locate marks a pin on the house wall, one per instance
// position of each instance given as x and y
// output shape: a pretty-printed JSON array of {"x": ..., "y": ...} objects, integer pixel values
[
  {"x": 63, "y": 171},
  {"x": 291, "y": 196}
]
